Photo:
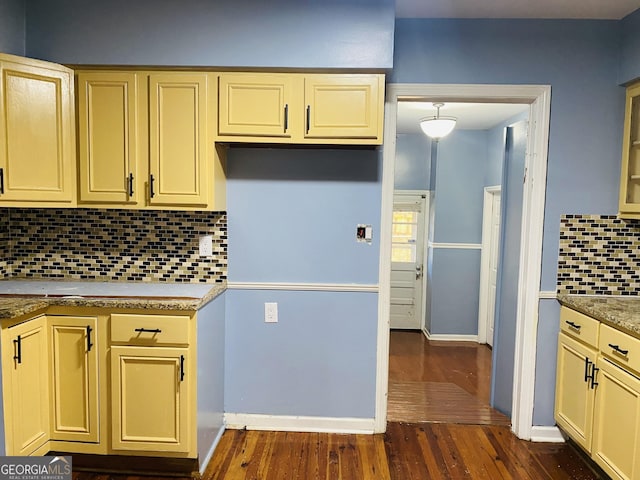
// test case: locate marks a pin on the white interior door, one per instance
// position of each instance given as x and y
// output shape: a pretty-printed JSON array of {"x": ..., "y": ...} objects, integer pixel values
[
  {"x": 490, "y": 263},
  {"x": 407, "y": 257}
]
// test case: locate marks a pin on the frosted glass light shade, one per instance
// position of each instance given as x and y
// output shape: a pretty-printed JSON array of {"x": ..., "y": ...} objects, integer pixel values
[{"x": 437, "y": 127}]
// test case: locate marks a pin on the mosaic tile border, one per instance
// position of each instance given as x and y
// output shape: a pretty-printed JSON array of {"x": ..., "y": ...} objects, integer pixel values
[
  {"x": 599, "y": 255},
  {"x": 116, "y": 245}
]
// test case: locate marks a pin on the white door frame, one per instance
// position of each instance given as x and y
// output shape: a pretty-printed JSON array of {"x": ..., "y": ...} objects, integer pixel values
[
  {"x": 425, "y": 246},
  {"x": 539, "y": 97},
  {"x": 484, "y": 263}
]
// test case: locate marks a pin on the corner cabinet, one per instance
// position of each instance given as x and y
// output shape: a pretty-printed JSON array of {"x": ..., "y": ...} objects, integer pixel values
[
  {"x": 629, "y": 204},
  {"x": 37, "y": 151},
  {"x": 301, "y": 108},
  {"x": 146, "y": 139}
]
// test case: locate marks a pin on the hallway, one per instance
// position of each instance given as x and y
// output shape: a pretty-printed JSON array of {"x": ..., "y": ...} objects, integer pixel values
[{"x": 442, "y": 382}]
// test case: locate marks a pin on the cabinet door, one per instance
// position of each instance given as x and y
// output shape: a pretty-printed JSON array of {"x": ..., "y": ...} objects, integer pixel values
[
  {"x": 108, "y": 138},
  {"x": 74, "y": 378},
  {"x": 25, "y": 368},
  {"x": 179, "y": 139},
  {"x": 630, "y": 172},
  {"x": 36, "y": 142},
  {"x": 616, "y": 435},
  {"x": 574, "y": 394},
  {"x": 150, "y": 399},
  {"x": 256, "y": 105},
  {"x": 344, "y": 106}
]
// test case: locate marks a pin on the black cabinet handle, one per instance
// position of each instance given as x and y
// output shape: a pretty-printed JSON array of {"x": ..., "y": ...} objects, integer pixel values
[
  {"x": 151, "y": 192},
  {"x": 89, "y": 343},
  {"x": 181, "y": 368},
  {"x": 574, "y": 325},
  {"x": 1, "y": 180},
  {"x": 286, "y": 117},
  {"x": 148, "y": 330},
  {"x": 131, "y": 184},
  {"x": 616, "y": 348},
  {"x": 18, "y": 344},
  {"x": 587, "y": 364},
  {"x": 308, "y": 117},
  {"x": 594, "y": 371}
]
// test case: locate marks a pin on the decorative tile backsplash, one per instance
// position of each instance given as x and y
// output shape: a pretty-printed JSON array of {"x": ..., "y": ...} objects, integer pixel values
[
  {"x": 599, "y": 255},
  {"x": 115, "y": 245},
  {"x": 4, "y": 243}
]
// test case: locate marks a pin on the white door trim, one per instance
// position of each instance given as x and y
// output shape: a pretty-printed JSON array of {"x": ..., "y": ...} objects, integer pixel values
[
  {"x": 485, "y": 261},
  {"x": 539, "y": 97}
]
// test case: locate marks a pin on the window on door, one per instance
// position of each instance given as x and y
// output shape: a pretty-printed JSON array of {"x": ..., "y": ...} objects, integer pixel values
[{"x": 404, "y": 236}]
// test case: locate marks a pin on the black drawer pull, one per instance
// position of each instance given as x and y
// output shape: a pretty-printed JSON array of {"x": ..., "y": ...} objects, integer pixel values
[
  {"x": 587, "y": 364},
  {"x": 131, "y": 184},
  {"x": 594, "y": 371},
  {"x": 181, "y": 368},
  {"x": 89, "y": 344},
  {"x": 1, "y": 180},
  {"x": 286, "y": 117},
  {"x": 152, "y": 193},
  {"x": 308, "y": 118},
  {"x": 18, "y": 344},
  {"x": 572, "y": 324},
  {"x": 616, "y": 348},
  {"x": 148, "y": 330}
]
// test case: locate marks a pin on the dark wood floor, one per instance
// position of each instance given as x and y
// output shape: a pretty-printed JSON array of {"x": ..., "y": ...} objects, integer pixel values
[
  {"x": 407, "y": 451},
  {"x": 447, "y": 382}
]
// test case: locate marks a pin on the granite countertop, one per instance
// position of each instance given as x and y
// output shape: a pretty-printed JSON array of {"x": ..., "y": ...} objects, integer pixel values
[
  {"x": 619, "y": 311},
  {"x": 21, "y": 297}
]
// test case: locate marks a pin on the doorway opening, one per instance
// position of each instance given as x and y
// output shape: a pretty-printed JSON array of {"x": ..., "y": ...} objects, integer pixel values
[{"x": 536, "y": 99}]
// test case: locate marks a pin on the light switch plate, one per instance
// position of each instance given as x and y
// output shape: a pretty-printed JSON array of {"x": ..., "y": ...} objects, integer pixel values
[
  {"x": 271, "y": 312},
  {"x": 206, "y": 245}
]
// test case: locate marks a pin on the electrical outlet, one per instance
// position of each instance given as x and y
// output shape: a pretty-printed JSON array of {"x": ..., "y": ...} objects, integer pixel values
[
  {"x": 206, "y": 245},
  {"x": 271, "y": 312}
]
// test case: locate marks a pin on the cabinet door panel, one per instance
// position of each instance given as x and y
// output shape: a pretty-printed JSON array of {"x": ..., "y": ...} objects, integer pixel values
[
  {"x": 256, "y": 105},
  {"x": 343, "y": 106},
  {"x": 149, "y": 399},
  {"x": 616, "y": 436},
  {"x": 37, "y": 148},
  {"x": 178, "y": 139},
  {"x": 574, "y": 396},
  {"x": 75, "y": 378},
  {"x": 107, "y": 130},
  {"x": 27, "y": 422}
]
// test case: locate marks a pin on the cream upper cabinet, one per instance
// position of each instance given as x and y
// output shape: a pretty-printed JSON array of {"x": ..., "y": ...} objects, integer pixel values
[
  {"x": 108, "y": 137},
  {"x": 343, "y": 106},
  {"x": 147, "y": 139},
  {"x": 629, "y": 204},
  {"x": 25, "y": 379},
  {"x": 258, "y": 104},
  {"x": 37, "y": 151},
  {"x": 301, "y": 108},
  {"x": 74, "y": 377},
  {"x": 616, "y": 435},
  {"x": 179, "y": 139}
]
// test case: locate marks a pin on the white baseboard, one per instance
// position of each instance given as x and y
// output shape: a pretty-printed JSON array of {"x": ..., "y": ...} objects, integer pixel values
[
  {"x": 546, "y": 434},
  {"x": 207, "y": 458},
  {"x": 443, "y": 337},
  {"x": 286, "y": 423}
]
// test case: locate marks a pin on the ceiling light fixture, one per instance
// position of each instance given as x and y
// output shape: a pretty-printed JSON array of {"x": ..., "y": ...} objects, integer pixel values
[{"x": 437, "y": 127}]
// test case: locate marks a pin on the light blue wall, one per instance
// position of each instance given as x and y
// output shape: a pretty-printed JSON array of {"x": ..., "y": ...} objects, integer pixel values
[
  {"x": 413, "y": 162},
  {"x": 12, "y": 26},
  {"x": 508, "y": 273},
  {"x": 630, "y": 48},
  {"x": 279, "y": 33},
  {"x": 461, "y": 163},
  {"x": 544, "y": 395},
  {"x": 495, "y": 149},
  {"x": 580, "y": 60},
  {"x": 292, "y": 216},
  {"x": 318, "y": 360},
  {"x": 211, "y": 348}
]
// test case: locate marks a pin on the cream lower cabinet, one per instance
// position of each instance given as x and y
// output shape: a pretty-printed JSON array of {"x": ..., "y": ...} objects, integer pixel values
[
  {"x": 150, "y": 399},
  {"x": 616, "y": 432},
  {"x": 74, "y": 378},
  {"x": 575, "y": 393},
  {"x": 25, "y": 378}
]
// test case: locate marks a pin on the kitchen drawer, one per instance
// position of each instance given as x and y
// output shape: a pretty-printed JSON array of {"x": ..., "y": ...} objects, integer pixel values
[
  {"x": 150, "y": 329},
  {"x": 620, "y": 347},
  {"x": 579, "y": 326}
]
